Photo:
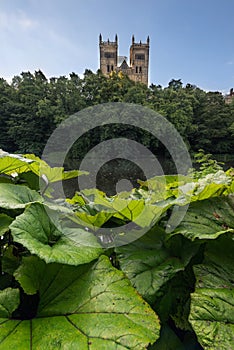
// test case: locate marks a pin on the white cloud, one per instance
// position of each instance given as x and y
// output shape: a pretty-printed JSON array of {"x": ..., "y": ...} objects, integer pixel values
[
  {"x": 16, "y": 21},
  {"x": 27, "y": 23},
  {"x": 30, "y": 42}
]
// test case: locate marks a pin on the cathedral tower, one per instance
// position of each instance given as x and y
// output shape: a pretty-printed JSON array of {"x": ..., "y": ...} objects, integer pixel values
[
  {"x": 108, "y": 55},
  {"x": 139, "y": 61},
  {"x": 138, "y": 67}
]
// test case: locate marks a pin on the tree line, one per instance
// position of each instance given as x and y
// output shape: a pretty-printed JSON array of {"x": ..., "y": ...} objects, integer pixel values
[{"x": 31, "y": 107}]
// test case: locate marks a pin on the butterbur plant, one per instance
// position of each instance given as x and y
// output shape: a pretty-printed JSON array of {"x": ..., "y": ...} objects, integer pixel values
[{"x": 64, "y": 286}]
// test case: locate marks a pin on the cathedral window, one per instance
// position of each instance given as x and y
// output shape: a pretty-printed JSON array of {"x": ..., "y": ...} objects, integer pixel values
[
  {"x": 140, "y": 56},
  {"x": 109, "y": 55}
]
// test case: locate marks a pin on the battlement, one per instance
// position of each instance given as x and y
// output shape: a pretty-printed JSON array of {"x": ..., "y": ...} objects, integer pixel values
[{"x": 108, "y": 42}]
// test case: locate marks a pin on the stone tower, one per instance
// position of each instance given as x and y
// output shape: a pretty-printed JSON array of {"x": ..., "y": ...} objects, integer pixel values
[
  {"x": 139, "y": 61},
  {"x": 138, "y": 67},
  {"x": 108, "y": 55}
]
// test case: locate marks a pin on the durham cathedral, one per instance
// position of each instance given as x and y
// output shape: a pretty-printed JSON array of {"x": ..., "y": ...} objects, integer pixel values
[{"x": 138, "y": 67}]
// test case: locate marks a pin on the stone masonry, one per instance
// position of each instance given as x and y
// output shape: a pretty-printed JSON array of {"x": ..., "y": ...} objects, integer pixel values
[{"x": 138, "y": 67}]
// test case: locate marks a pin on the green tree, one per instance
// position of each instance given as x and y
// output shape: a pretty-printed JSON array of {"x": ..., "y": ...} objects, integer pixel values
[
  {"x": 6, "y": 92},
  {"x": 213, "y": 120},
  {"x": 30, "y": 121}
]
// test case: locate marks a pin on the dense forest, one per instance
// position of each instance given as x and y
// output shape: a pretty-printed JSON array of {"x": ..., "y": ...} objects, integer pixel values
[{"x": 32, "y": 105}]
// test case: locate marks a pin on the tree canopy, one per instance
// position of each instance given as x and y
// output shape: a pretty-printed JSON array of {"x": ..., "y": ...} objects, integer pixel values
[{"x": 32, "y": 105}]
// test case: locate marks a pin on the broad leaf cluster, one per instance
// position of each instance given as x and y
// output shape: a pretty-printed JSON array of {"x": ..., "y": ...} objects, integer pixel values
[{"x": 69, "y": 280}]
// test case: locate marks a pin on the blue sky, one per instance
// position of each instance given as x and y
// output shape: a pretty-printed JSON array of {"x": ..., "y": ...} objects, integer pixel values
[{"x": 192, "y": 40}]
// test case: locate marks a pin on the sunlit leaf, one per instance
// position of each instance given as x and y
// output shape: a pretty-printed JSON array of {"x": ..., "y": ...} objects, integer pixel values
[
  {"x": 18, "y": 164},
  {"x": 13, "y": 163},
  {"x": 85, "y": 307},
  {"x": 208, "y": 219},
  {"x": 17, "y": 196},
  {"x": 53, "y": 174},
  {"x": 93, "y": 221},
  {"x": 38, "y": 230}
]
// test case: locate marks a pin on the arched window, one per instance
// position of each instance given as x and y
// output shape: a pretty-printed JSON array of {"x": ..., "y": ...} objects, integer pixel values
[
  {"x": 136, "y": 69},
  {"x": 112, "y": 68},
  {"x": 140, "y": 69},
  {"x": 108, "y": 68}
]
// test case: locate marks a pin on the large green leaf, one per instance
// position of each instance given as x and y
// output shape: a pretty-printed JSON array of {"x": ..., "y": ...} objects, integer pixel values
[
  {"x": 208, "y": 219},
  {"x": 92, "y": 221},
  {"x": 89, "y": 307},
  {"x": 5, "y": 221},
  {"x": 149, "y": 264},
  {"x": 16, "y": 196},
  {"x": 95, "y": 208},
  {"x": 138, "y": 211},
  {"x": 44, "y": 237},
  {"x": 13, "y": 163},
  {"x": 187, "y": 189},
  {"x": 9, "y": 301},
  {"x": 10, "y": 261},
  {"x": 165, "y": 184},
  {"x": 146, "y": 206},
  {"x": 16, "y": 163},
  {"x": 53, "y": 174},
  {"x": 211, "y": 185},
  {"x": 212, "y": 304}
]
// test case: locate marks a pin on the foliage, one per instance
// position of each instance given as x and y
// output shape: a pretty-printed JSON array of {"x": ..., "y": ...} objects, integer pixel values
[
  {"x": 32, "y": 106},
  {"x": 63, "y": 285},
  {"x": 212, "y": 307},
  {"x": 206, "y": 163}
]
